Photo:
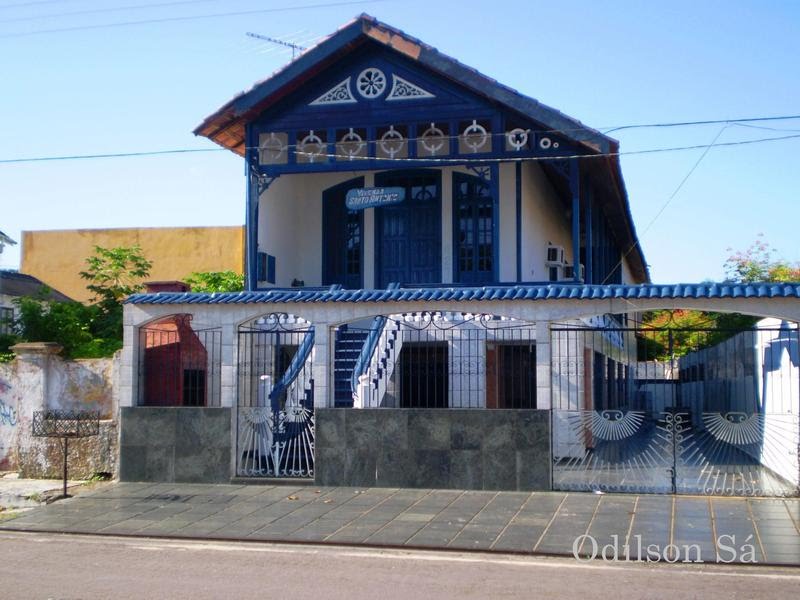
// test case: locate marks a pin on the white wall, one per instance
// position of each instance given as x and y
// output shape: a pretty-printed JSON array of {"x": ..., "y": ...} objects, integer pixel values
[
  {"x": 627, "y": 276},
  {"x": 543, "y": 220},
  {"x": 290, "y": 225}
]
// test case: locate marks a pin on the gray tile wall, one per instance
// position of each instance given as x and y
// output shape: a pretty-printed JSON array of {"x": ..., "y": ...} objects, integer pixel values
[
  {"x": 185, "y": 444},
  {"x": 433, "y": 448}
]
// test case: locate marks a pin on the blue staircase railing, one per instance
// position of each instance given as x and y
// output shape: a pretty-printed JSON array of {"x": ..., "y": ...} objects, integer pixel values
[
  {"x": 294, "y": 370},
  {"x": 362, "y": 364}
]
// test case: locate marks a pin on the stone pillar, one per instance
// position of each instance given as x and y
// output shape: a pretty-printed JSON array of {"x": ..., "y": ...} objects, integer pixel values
[
  {"x": 35, "y": 359},
  {"x": 543, "y": 366},
  {"x": 229, "y": 367},
  {"x": 128, "y": 365},
  {"x": 34, "y": 365},
  {"x": 321, "y": 365}
]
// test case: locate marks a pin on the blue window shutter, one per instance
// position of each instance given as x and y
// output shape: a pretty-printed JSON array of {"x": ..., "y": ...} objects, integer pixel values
[
  {"x": 270, "y": 269},
  {"x": 262, "y": 266}
]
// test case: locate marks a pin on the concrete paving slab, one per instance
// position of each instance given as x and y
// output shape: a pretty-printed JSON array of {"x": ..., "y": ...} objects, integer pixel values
[{"x": 542, "y": 522}]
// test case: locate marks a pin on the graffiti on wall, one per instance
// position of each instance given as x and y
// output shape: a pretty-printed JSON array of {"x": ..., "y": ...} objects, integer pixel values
[{"x": 8, "y": 416}]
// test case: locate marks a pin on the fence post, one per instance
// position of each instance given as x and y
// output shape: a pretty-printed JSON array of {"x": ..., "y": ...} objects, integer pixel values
[
  {"x": 544, "y": 392},
  {"x": 34, "y": 361},
  {"x": 322, "y": 365},
  {"x": 228, "y": 369}
]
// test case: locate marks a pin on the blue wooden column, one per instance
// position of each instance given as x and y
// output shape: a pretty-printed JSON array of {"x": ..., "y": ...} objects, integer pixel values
[
  {"x": 257, "y": 183},
  {"x": 587, "y": 220},
  {"x": 575, "y": 192},
  {"x": 251, "y": 229},
  {"x": 518, "y": 203},
  {"x": 494, "y": 173}
]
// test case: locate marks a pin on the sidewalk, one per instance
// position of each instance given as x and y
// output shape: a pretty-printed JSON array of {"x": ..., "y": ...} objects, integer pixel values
[
  {"x": 18, "y": 494},
  {"x": 532, "y": 523}
]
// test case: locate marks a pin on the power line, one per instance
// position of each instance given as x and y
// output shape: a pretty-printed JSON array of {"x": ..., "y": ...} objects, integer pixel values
[
  {"x": 109, "y": 155},
  {"x": 191, "y": 17},
  {"x": 27, "y": 4},
  {"x": 710, "y": 122},
  {"x": 669, "y": 200},
  {"x": 93, "y": 11},
  {"x": 458, "y": 160}
]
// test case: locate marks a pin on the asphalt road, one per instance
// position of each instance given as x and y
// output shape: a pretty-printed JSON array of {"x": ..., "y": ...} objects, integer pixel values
[{"x": 66, "y": 566}]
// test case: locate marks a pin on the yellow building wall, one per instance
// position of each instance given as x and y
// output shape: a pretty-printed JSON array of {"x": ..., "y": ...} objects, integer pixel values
[{"x": 57, "y": 257}]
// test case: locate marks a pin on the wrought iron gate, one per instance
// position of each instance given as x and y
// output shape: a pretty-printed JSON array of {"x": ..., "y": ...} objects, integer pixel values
[
  {"x": 696, "y": 411},
  {"x": 275, "y": 409}
]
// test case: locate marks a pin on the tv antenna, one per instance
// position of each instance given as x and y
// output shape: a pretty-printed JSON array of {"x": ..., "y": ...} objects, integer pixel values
[{"x": 266, "y": 38}]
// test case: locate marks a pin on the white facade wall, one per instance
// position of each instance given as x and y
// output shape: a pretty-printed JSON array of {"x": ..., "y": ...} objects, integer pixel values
[
  {"x": 543, "y": 222},
  {"x": 290, "y": 225}
]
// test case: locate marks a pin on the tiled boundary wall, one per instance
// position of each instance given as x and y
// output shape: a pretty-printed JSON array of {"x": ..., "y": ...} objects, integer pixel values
[
  {"x": 437, "y": 450},
  {"x": 327, "y": 315},
  {"x": 39, "y": 379},
  {"x": 434, "y": 448},
  {"x": 186, "y": 444}
]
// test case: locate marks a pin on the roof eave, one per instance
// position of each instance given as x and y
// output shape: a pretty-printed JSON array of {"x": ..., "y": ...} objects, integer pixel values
[{"x": 289, "y": 78}]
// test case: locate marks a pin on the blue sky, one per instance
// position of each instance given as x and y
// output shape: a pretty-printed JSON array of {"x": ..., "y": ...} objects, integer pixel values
[{"x": 145, "y": 87}]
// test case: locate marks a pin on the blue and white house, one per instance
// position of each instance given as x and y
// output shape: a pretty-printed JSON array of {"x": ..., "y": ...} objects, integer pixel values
[
  {"x": 491, "y": 180},
  {"x": 443, "y": 278}
]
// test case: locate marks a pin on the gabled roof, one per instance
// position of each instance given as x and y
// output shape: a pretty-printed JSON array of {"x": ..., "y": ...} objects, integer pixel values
[
  {"x": 553, "y": 291},
  {"x": 18, "y": 285},
  {"x": 227, "y": 126},
  {"x": 4, "y": 239}
]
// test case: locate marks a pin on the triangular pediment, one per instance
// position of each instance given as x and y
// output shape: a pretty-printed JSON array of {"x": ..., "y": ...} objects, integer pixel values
[{"x": 374, "y": 85}]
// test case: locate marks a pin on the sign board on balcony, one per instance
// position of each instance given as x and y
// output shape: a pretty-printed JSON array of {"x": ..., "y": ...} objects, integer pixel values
[{"x": 361, "y": 198}]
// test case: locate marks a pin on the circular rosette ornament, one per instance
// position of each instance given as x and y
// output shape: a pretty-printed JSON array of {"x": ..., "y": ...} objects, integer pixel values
[{"x": 371, "y": 83}]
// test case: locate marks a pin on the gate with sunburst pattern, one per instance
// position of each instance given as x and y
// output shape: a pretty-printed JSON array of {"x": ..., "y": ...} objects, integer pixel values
[
  {"x": 275, "y": 408},
  {"x": 671, "y": 410}
]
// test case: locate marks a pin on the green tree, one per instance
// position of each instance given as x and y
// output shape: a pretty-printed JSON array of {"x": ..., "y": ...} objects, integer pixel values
[
  {"x": 84, "y": 331},
  {"x": 684, "y": 331},
  {"x": 113, "y": 274},
  {"x": 758, "y": 263},
  {"x": 71, "y": 324},
  {"x": 216, "y": 281},
  {"x": 689, "y": 330}
]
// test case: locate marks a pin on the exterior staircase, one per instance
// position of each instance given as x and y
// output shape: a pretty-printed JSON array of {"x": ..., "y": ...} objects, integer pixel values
[{"x": 349, "y": 343}]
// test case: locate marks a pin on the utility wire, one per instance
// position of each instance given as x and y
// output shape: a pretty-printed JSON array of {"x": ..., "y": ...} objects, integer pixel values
[
  {"x": 192, "y": 17},
  {"x": 669, "y": 200},
  {"x": 94, "y": 11},
  {"x": 710, "y": 122},
  {"x": 459, "y": 160},
  {"x": 27, "y": 4},
  {"x": 109, "y": 155}
]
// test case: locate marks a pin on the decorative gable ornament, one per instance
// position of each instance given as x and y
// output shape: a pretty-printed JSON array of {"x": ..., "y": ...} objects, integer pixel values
[
  {"x": 371, "y": 83},
  {"x": 402, "y": 89},
  {"x": 338, "y": 94}
]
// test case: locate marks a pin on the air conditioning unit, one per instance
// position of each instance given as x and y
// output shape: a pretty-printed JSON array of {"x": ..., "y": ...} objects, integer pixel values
[
  {"x": 569, "y": 273},
  {"x": 555, "y": 256}
]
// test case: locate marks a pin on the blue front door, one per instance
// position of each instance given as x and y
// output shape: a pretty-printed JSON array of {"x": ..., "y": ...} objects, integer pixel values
[
  {"x": 342, "y": 235},
  {"x": 408, "y": 235}
]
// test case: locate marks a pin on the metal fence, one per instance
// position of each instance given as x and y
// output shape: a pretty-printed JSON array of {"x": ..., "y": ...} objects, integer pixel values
[
  {"x": 435, "y": 360},
  {"x": 179, "y": 365},
  {"x": 275, "y": 407},
  {"x": 708, "y": 411}
]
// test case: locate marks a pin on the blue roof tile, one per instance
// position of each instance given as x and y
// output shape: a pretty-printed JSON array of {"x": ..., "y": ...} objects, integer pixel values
[{"x": 462, "y": 294}]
